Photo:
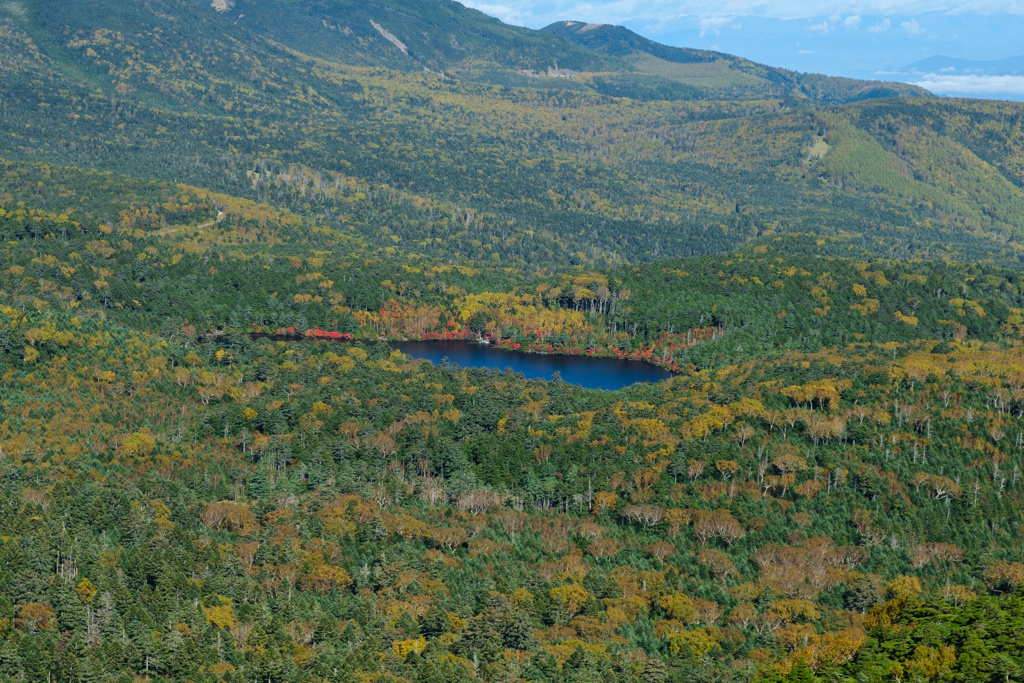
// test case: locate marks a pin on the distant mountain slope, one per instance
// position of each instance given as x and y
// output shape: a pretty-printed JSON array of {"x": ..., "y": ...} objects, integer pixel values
[
  {"x": 401, "y": 34},
  {"x": 723, "y": 75},
  {"x": 438, "y": 35}
]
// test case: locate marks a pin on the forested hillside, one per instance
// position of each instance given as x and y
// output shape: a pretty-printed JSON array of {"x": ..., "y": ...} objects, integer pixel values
[
  {"x": 214, "y": 218},
  {"x": 193, "y": 95}
]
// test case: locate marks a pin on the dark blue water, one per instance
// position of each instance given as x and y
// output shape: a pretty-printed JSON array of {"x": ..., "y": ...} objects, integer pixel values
[{"x": 592, "y": 373}]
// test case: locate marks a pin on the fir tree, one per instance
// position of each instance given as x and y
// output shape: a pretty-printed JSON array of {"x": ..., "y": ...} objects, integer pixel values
[{"x": 801, "y": 673}]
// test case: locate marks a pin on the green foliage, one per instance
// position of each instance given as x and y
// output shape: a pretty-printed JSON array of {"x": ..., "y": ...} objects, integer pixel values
[
  {"x": 938, "y": 641},
  {"x": 827, "y": 489},
  {"x": 307, "y": 479}
]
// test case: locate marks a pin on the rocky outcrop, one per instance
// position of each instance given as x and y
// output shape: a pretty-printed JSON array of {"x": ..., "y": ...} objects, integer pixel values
[{"x": 390, "y": 37}]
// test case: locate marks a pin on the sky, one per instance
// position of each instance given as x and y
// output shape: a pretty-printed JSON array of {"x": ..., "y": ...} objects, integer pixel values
[{"x": 879, "y": 39}]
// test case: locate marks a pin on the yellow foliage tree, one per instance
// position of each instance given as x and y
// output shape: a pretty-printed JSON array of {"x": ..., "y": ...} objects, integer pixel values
[
  {"x": 138, "y": 443},
  {"x": 788, "y": 611},
  {"x": 903, "y": 588},
  {"x": 679, "y": 606},
  {"x": 86, "y": 590},
  {"x": 222, "y": 615},
  {"x": 572, "y": 597},
  {"x": 402, "y": 648},
  {"x": 699, "y": 641}
]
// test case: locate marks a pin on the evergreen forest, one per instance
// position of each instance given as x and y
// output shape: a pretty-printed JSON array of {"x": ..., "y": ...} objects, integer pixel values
[{"x": 214, "y": 218}]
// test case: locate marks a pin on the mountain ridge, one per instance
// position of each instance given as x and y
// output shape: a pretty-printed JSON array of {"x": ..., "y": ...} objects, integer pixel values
[
  {"x": 446, "y": 36},
  {"x": 734, "y": 74}
]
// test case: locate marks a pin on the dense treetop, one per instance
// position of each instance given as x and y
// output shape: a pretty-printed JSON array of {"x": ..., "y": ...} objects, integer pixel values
[{"x": 214, "y": 468}]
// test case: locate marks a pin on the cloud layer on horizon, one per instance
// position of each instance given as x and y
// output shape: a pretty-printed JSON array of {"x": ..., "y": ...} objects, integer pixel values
[{"x": 972, "y": 86}]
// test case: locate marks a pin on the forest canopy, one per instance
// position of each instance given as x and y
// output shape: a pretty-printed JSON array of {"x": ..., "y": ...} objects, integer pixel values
[{"x": 214, "y": 467}]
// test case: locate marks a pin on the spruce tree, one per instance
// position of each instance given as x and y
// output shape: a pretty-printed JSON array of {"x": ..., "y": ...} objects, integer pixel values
[
  {"x": 517, "y": 630},
  {"x": 326, "y": 630},
  {"x": 801, "y": 673},
  {"x": 434, "y": 623}
]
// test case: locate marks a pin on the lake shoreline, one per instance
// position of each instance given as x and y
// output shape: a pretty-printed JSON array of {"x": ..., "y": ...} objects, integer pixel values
[
  {"x": 593, "y": 370},
  {"x": 587, "y": 370},
  {"x": 642, "y": 355}
]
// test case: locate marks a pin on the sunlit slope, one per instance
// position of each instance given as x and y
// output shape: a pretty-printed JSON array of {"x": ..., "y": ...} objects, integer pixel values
[
  {"x": 994, "y": 131},
  {"x": 925, "y": 168}
]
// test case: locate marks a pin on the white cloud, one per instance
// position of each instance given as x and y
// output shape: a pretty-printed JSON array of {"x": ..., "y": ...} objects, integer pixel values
[
  {"x": 521, "y": 16},
  {"x": 805, "y": 52},
  {"x": 913, "y": 28},
  {"x": 713, "y": 25},
  {"x": 822, "y": 28},
  {"x": 852, "y": 23},
  {"x": 982, "y": 86},
  {"x": 883, "y": 25}
]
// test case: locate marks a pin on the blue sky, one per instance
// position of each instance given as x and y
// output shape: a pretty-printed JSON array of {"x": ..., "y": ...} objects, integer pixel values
[{"x": 861, "y": 39}]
